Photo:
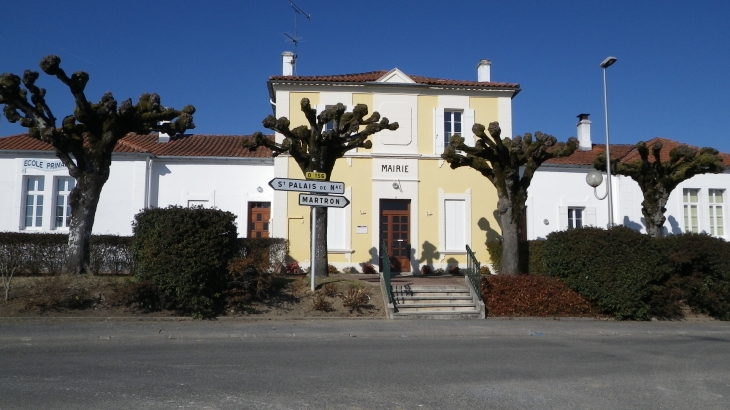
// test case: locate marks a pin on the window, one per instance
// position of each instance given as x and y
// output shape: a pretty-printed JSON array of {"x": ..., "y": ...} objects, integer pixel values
[
  {"x": 34, "y": 202},
  {"x": 454, "y": 222},
  {"x": 259, "y": 214},
  {"x": 716, "y": 219},
  {"x": 330, "y": 125},
  {"x": 575, "y": 218},
  {"x": 450, "y": 121},
  {"x": 690, "y": 199},
  {"x": 63, "y": 208},
  {"x": 452, "y": 124}
]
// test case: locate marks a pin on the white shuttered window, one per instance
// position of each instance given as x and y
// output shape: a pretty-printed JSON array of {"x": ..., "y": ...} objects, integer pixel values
[
  {"x": 454, "y": 221},
  {"x": 336, "y": 228}
]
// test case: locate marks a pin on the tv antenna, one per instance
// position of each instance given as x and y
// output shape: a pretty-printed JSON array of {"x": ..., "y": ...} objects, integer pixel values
[{"x": 295, "y": 38}]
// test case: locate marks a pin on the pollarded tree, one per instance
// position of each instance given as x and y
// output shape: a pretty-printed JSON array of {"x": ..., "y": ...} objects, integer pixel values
[
  {"x": 657, "y": 179},
  {"x": 316, "y": 149},
  {"x": 85, "y": 140},
  {"x": 500, "y": 160}
]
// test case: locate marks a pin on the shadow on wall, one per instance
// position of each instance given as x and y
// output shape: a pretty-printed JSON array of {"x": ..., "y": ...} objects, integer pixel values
[
  {"x": 490, "y": 233},
  {"x": 160, "y": 170},
  {"x": 674, "y": 224},
  {"x": 452, "y": 262},
  {"x": 429, "y": 254},
  {"x": 633, "y": 225}
]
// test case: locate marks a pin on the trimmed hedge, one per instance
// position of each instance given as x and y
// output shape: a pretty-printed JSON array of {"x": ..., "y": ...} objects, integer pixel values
[
  {"x": 526, "y": 295},
  {"x": 36, "y": 254},
  {"x": 531, "y": 257},
  {"x": 619, "y": 270},
  {"x": 700, "y": 276},
  {"x": 184, "y": 252}
]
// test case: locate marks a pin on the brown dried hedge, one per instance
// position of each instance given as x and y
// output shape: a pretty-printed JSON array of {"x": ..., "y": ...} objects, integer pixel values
[{"x": 526, "y": 295}]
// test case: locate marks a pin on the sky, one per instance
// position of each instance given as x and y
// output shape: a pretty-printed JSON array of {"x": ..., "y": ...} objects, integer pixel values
[{"x": 671, "y": 79}]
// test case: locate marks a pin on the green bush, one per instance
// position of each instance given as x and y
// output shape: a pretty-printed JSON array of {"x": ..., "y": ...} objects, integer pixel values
[
  {"x": 619, "y": 270},
  {"x": 531, "y": 257},
  {"x": 700, "y": 276},
  {"x": 185, "y": 252}
]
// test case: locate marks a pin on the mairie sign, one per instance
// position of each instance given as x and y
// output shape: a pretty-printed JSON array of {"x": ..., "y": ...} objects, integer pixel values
[
  {"x": 301, "y": 185},
  {"x": 329, "y": 201}
]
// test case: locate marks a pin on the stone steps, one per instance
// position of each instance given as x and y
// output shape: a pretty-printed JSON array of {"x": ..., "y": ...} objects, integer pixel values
[{"x": 434, "y": 302}]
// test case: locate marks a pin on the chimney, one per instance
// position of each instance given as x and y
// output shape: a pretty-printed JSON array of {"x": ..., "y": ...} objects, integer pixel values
[
  {"x": 584, "y": 133},
  {"x": 161, "y": 136},
  {"x": 288, "y": 60},
  {"x": 483, "y": 69}
]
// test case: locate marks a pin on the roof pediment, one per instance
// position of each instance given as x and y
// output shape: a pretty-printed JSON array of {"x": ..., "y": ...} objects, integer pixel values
[{"x": 395, "y": 76}]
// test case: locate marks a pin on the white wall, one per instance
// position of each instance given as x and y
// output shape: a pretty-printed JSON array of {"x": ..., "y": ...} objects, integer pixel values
[{"x": 226, "y": 185}]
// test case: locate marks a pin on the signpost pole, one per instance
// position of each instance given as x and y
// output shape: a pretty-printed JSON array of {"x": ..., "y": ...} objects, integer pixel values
[{"x": 312, "y": 270}]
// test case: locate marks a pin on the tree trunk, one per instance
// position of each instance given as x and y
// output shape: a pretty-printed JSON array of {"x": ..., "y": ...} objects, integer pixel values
[
  {"x": 510, "y": 238},
  {"x": 320, "y": 249},
  {"x": 654, "y": 218},
  {"x": 83, "y": 199}
]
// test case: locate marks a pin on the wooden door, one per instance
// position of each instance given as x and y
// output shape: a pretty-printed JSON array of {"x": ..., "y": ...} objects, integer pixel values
[
  {"x": 395, "y": 230},
  {"x": 259, "y": 214}
]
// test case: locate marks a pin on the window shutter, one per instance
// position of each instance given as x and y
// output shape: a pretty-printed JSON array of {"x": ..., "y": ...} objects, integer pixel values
[
  {"x": 467, "y": 122},
  {"x": 563, "y": 217},
  {"x": 589, "y": 216},
  {"x": 335, "y": 228},
  {"x": 438, "y": 129}
]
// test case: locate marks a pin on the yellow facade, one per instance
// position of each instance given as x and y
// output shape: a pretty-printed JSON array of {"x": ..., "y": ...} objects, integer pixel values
[{"x": 440, "y": 208}]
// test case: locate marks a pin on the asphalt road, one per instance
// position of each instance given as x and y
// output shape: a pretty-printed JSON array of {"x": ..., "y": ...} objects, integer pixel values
[{"x": 364, "y": 364}]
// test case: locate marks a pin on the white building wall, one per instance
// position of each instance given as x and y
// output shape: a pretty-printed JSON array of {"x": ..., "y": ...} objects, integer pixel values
[{"x": 226, "y": 185}]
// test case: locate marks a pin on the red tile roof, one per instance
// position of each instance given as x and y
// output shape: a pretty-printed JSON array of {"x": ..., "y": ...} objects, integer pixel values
[
  {"x": 374, "y": 75},
  {"x": 586, "y": 157},
  {"x": 179, "y": 146},
  {"x": 624, "y": 152}
]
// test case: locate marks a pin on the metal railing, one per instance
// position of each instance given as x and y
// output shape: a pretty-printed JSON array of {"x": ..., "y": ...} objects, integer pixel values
[
  {"x": 386, "y": 271},
  {"x": 473, "y": 271}
]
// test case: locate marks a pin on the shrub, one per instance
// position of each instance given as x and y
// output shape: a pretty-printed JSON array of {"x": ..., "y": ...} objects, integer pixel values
[
  {"x": 700, "y": 276},
  {"x": 484, "y": 270},
  {"x": 271, "y": 252},
  {"x": 439, "y": 271},
  {"x": 248, "y": 278},
  {"x": 526, "y": 295},
  {"x": 184, "y": 252},
  {"x": 329, "y": 289},
  {"x": 531, "y": 257},
  {"x": 454, "y": 270},
  {"x": 369, "y": 269},
  {"x": 617, "y": 269},
  {"x": 320, "y": 302},
  {"x": 294, "y": 269},
  {"x": 61, "y": 292},
  {"x": 356, "y": 299},
  {"x": 332, "y": 270},
  {"x": 426, "y": 270},
  {"x": 349, "y": 270}
]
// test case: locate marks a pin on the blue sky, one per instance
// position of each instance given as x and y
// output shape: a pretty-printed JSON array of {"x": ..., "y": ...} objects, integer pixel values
[{"x": 671, "y": 78}]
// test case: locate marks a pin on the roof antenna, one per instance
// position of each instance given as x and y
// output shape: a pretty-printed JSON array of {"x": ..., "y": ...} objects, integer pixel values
[{"x": 295, "y": 38}]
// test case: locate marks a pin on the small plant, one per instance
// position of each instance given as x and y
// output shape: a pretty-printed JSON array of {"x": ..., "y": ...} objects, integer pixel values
[
  {"x": 439, "y": 271},
  {"x": 484, "y": 270},
  {"x": 454, "y": 270},
  {"x": 356, "y": 299},
  {"x": 293, "y": 269},
  {"x": 426, "y": 270},
  {"x": 332, "y": 270},
  {"x": 300, "y": 286},
  {"x": 329, "y": 289},
  {"x": 369, "y": 269},
  {"x": 349, "y": 270},
  {"x": 321, "y": 303}
]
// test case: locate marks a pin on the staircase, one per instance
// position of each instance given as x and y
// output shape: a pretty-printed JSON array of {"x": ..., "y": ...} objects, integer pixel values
[{"x": 435, "y": 302}]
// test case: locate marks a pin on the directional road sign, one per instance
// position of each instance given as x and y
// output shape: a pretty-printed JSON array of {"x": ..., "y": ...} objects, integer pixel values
[
  {"x": 329, "y": 201},
  {"x": 301, "y": 185}
]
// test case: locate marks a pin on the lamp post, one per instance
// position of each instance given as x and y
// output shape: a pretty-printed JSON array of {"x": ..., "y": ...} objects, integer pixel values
[{"x": 605, "y": 64}]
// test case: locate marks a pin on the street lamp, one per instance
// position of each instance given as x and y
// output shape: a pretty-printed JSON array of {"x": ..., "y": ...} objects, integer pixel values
[{"x": 594, "y": 177}]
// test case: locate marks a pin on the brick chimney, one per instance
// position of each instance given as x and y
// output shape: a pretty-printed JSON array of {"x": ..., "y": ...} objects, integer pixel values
[
  {"x": 584, "y": 133},
  {"x": 483, "y": 71}
]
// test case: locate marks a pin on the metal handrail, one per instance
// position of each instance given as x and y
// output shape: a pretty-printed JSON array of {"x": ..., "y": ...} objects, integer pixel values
[
  {"x": 473, "y": 271},
  {"x": 386, "y": 271}
]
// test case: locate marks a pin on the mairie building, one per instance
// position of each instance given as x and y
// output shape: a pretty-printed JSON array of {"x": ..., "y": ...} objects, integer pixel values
[{"x": 401, "y": 191}]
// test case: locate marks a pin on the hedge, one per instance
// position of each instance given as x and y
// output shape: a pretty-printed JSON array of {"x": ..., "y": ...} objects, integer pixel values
[{"x": 531, "y": 257}]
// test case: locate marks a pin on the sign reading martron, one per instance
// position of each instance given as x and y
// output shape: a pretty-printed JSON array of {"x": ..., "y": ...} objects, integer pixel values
[
  {"x": 322, "y": 187},
  {"x": 323, "y": 200}
]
